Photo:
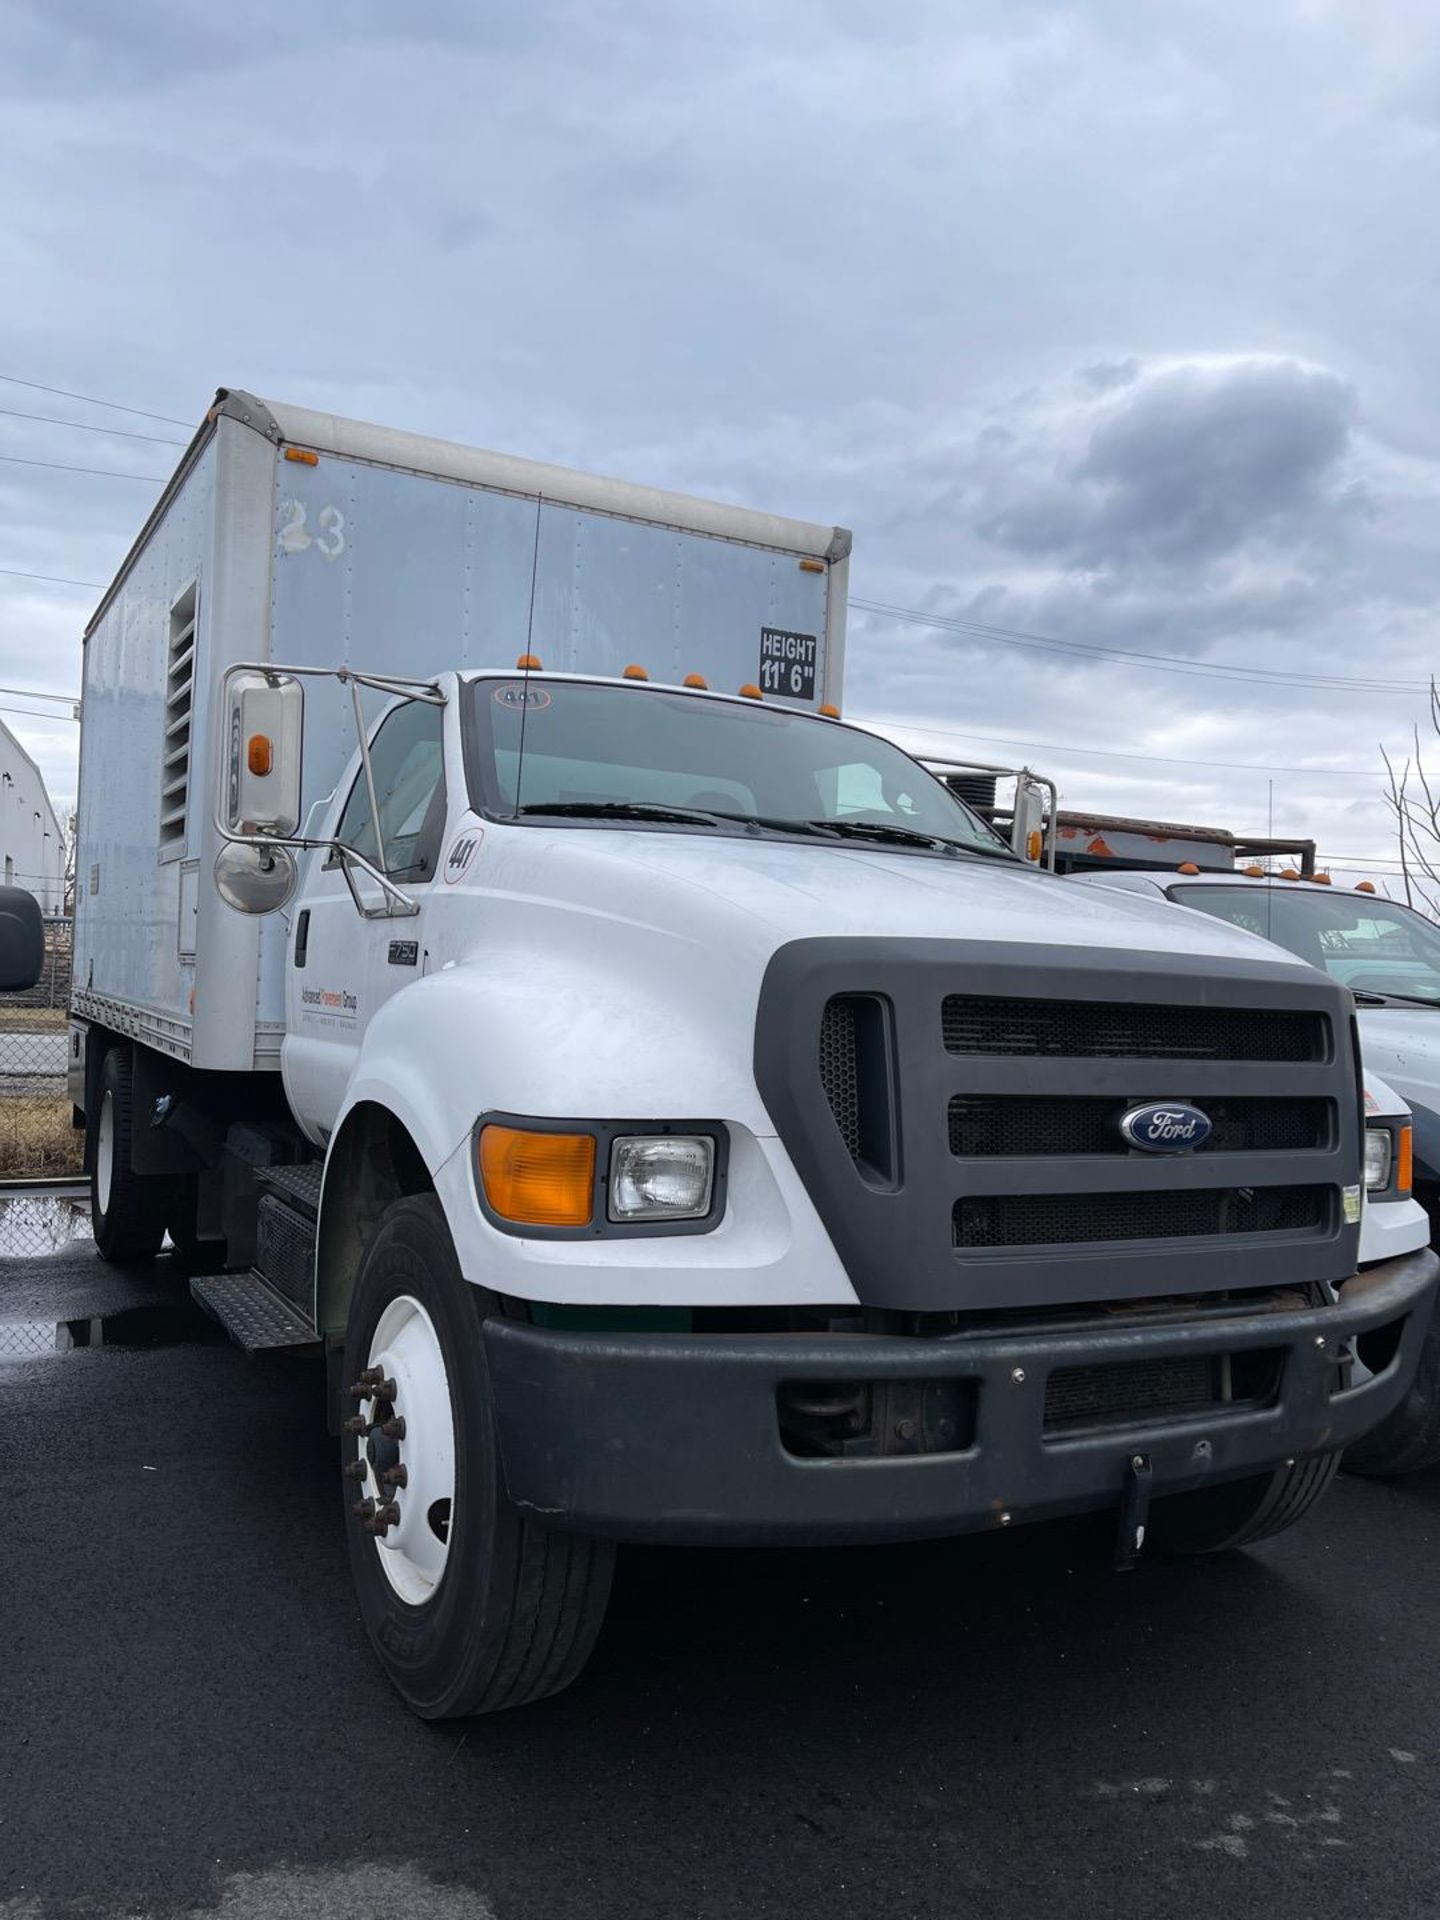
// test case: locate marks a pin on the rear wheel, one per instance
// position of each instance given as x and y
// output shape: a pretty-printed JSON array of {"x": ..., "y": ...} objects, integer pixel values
[
  {"x": 1237, "y": 1513},
  {"x": 470, "y": 1607},
  {"x": 127, "y": 1209}
]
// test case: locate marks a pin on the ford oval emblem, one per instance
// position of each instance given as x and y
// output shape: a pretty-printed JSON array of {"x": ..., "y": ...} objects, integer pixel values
[{"x": 1166, "y": 1126}]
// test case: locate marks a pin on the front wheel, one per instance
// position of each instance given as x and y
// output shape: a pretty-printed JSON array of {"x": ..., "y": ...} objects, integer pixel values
[
  {"x": 1237, "y": 1513},
  {"x": 470, "y": 1607}
]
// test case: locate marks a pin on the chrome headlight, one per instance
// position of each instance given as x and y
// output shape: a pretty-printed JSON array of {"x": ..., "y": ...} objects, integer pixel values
[{"x": 661, "y": 1176}]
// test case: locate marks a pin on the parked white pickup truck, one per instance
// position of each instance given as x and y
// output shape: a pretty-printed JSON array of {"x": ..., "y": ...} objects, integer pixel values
[{"x": 673, "y": 1114}]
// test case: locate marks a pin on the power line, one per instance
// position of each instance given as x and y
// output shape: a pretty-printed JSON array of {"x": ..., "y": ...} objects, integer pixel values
[
  {"x": 84, "y": 426},
  {"x": 55, "y": 579},
  {"x": 64, "y": 393},
  {"x": 105, "y": 473},
  {"x": 1104, "y": 753},
  {"x": 1158, "y": 662}
]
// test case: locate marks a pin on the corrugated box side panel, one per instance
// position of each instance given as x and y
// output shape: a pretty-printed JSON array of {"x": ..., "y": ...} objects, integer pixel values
[{"x": 129, "y": 970}]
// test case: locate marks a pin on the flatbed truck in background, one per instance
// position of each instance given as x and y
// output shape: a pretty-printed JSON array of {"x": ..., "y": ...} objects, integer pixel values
[{"x": 672, "y": 1114}]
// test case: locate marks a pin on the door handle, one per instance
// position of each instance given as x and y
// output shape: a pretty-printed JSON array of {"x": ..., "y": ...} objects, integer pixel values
[{"x": 302, "y": 936}]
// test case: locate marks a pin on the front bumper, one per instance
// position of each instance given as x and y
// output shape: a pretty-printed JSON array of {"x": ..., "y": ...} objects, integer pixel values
[{"x": 676, "y": 1437}]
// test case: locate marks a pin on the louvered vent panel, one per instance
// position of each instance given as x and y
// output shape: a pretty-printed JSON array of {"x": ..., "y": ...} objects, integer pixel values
[{"x": 179, "y": 703}]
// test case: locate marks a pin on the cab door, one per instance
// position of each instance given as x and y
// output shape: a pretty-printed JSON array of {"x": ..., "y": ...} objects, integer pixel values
[{"x": 343, "y": 966}]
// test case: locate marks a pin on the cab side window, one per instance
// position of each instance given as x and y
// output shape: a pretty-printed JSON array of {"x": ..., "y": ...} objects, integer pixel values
[{"x": 407, "y": 758}]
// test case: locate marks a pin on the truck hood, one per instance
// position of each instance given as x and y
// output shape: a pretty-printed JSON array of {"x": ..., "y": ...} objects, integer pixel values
[
  {"x": 1403, "y": 1044},
  {"x": 775, "y": 891}
]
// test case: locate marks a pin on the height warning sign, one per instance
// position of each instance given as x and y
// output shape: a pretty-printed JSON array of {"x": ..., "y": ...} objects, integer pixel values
[{"x": 787, "y": 663}]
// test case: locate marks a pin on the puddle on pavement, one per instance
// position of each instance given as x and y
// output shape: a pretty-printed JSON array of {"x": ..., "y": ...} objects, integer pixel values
[
  {"x": 34, "y": 1224},
  {"x": 162, "y": 1324}
]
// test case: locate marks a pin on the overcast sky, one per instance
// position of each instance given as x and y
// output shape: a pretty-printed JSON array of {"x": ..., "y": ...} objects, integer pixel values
[{"x": 1114, "y": 324}]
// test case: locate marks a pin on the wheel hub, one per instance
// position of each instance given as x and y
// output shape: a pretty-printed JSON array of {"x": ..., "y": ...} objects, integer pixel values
[{"x": 404, "y": 1460}]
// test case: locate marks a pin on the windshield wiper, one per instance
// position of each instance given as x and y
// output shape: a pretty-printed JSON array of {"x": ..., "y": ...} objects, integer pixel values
[
  {"x": 907, "y": 837},
  {"x": 618, "y": 810},
  {"x": 680, "y": 816}
]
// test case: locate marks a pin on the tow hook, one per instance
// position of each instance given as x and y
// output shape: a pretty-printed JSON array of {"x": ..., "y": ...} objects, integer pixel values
[{"x": 1134, "y": 1511}]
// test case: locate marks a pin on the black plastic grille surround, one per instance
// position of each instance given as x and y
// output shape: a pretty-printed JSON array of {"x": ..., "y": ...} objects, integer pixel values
[
  {"x": 1113, "y": 1030},
  {"x": 997, "y": 1126},
  {"x": 1046, "y": 1219},
  {"x": 952, "y": 1108}
]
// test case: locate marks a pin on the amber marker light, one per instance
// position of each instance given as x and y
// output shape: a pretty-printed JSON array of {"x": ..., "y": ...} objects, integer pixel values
[
  {"x": 260, "y": 754},
  {"x": 302, "y": 456},
  {"x": 1405, "y": 1160},
  {"x": 698, "y": 681},
  {"x": 538, "y": 1179},
  {"x": 812, "y": 566},
  {"x": 1321, "y": 879},
  {"x": 828, "y": 711},
  {"x": 1253, "y": 873},
  {"x": 1364, "y": 886},
  {"x": 750, "y": 691},
  {"x": 529, "y": 663},
  {"x": 1187, "y": 866},
  {"x": 1289, "y": 873},
  {"x": 633, "y": 672}
]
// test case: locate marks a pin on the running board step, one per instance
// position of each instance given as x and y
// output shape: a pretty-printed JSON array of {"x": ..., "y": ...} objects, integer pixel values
[{"x": 252, "y": 1313}]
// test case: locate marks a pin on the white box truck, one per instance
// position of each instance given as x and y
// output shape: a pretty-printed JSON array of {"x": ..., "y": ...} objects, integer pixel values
[{"x": 670, "y": 1111}]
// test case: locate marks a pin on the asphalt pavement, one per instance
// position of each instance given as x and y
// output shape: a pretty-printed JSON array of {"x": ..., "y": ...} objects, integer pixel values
[{"x": 191, "y": 1721}]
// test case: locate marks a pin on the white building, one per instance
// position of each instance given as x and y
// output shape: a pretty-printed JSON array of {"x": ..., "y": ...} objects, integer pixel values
[{"x": 31, "y": 845}]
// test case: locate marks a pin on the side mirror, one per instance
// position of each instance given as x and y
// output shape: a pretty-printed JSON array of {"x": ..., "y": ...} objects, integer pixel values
[
  {"x": 22, "y": 939},
  {"x": 264, "y": 728}
]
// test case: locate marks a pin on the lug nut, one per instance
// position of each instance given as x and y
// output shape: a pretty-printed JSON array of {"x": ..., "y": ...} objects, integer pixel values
[
  {"x": 363, "y": 1509},
  {"x": 354, "y": 1470},
  {"x": 394, "y": 1429},
  {"x": 396, "y": 1476},
  {"x": 1017, "y": 1376},
  {"x": 383, "y": 1519},
  {"x": 372, "y": 1376},
  {"x": 357, "y": 1423}
]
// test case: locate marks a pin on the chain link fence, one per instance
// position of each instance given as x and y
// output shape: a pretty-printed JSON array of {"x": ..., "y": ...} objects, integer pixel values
[{"x": 38, "y": 1143}]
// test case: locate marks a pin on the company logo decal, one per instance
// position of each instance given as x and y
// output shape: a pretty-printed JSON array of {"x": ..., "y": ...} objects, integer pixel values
[
  {"x": 1170, "y": 1126},
  {"x": 330, "y": 1003},
  {"x": 457, "y": 861},
  {"x": 518, "y": 697}
]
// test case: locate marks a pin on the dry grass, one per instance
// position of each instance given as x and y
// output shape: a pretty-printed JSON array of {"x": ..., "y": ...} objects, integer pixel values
[
  {"x": 33, "y": 1019},
  {"x": 36, "y": 1137}
]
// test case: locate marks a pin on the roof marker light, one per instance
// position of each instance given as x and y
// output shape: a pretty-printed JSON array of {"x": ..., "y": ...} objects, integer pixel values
[
  {"x": 697, "y": 680},
  {"x": 1321, "y": 879},
  {"x": 529, "y": 663},
  {"x": 1187, "y": 866},
  {"x": 1364, "y": 886},
  {"x": 812, "y": 566},
  {"x": 750, "y": 691},
  {"x": 1253, "y": 873},
  {"x": 303, "y": 455},
  {"x": 828, "y": 711},
  {"x": 632, "y": 672},
  {"x": 1289, "y": 873}
]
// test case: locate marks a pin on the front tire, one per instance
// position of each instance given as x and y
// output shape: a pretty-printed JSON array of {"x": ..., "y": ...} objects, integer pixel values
[
  {"x": 469, "y": 1607},
  {"x": 127, "y": 1209},
  {"x": 1237, "y": 1513}
]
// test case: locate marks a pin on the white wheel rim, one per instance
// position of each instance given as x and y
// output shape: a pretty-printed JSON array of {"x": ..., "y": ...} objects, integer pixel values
[
  {"x": 105, "y": 1151},
  {"x": 413, "y": 1550}
]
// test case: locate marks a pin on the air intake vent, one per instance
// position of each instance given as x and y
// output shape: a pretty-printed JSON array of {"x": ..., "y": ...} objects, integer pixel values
[
  {"x": 1061, "y": 1219},
  {"x": 1101, "y": 1029},
  {"x": 179, "y": 702},
  {"x": 858, "y": 1075}
]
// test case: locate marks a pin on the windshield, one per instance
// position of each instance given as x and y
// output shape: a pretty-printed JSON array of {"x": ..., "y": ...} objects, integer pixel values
[
  {"x": 628, "y": 753},
  {"x": 1369, "y": 945}
]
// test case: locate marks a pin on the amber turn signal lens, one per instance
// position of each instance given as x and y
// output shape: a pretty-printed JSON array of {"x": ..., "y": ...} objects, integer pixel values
[
  {"x": 1405, "y": 1160},
  {"x": 302, "y": 456},
  {"x": 260, "y": 754},
  {"x": 539, "y": 1179}
]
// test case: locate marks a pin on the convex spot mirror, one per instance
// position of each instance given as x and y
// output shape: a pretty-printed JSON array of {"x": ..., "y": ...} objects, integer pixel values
[
  {"x": 253, "y": 878},
  {"x": 264, "y": 726},
  {"x": 22, "y": 939}
]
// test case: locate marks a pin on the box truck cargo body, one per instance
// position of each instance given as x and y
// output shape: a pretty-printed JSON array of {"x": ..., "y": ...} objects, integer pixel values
[{"x": 672, "y": 1113}]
